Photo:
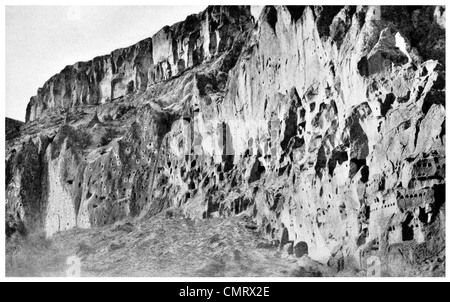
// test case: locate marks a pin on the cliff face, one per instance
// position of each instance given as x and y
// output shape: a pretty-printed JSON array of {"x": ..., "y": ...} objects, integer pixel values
[
  {"x": 12, "y": 128},
  {"x": 129, "y": 70},
  {"x": 325, "y": 125}
]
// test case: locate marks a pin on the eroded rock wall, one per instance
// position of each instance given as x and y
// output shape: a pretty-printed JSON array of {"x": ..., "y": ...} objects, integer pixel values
[
  {"x": 128, "y": 70},
  {"x": 326, "y": 125}
]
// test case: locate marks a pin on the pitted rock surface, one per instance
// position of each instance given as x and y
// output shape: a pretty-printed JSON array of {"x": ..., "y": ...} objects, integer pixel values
[{"x": 325, "y": 126}]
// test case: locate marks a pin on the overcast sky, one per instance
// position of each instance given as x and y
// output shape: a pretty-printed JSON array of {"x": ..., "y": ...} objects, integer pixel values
[{"x": 42, "y": 40}]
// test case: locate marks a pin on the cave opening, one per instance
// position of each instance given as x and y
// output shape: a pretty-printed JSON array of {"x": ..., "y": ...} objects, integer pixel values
[
  {"x": 300, "y": 249},
  {"x": 407, "y": 229}
]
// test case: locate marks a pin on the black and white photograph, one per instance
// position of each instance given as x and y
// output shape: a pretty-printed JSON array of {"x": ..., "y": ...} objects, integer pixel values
[{"x": 221, "y": 142}]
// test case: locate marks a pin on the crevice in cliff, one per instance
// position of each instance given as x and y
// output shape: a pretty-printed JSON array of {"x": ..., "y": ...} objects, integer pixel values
[
  {"x": 271, "y": 16},
  {"x": 325, "y": 15},
  {"x": 296, "y": 11}
]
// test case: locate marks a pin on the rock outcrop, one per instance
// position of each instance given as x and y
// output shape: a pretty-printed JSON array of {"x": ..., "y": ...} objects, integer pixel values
[
  {"x": 326, "y": 125},
  {"x": 130, "y": 70},
  {"x": 12, "y": 128}
]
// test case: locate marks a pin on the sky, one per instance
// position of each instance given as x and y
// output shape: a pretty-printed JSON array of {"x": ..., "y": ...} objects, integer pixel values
[{"x": 42, "y": 40}]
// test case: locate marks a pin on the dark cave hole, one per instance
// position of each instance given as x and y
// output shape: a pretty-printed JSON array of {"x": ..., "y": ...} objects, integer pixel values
[
  {"x": 300, "y": 249},
  {"x": 407, "y": 230},
  {"x": 355, "y": 165},
  {"x": 363, "y": 67},
  {"x": 237, "y": 205},
  {"x": 439, "y": 199},
  {"x": 365, "y": 174},
  {"x": 387, "y": 104},
  {"x": 284, "y": 237},
  {"x": 268, "y": 229},
  {"x": 423, "y": 216}
]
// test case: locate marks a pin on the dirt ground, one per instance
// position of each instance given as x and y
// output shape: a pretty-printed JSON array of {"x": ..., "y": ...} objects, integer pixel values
[{"x": 162, "y": 246}]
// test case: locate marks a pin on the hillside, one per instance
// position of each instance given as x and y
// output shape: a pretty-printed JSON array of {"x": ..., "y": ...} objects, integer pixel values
[{"x": 322, "y": 127}]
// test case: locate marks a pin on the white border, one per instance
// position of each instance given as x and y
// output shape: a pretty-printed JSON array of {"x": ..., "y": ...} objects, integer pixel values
[{"x": 182, "y": 279}]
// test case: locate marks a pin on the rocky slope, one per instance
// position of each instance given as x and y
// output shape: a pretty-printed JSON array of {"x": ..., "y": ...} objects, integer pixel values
[
  {"x": 12, "y": 128},
  {"x": 164, "y": 246},
  {"x": 323, "y": 125}
]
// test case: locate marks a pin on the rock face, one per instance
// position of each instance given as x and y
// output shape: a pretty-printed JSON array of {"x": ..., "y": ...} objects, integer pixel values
[
  {"x": 326, "y": 125},
  {"x": 130, "y": 70},
  {"x": 12, "y": 128}
]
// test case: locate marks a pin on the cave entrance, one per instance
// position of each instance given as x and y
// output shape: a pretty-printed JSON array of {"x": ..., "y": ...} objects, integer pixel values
[
  {"x": 284, "y": 237},
  {"x": 300, "y": 249},
  {"x": 407, "y": 230},
  {"x": 130, "y": 87}
]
